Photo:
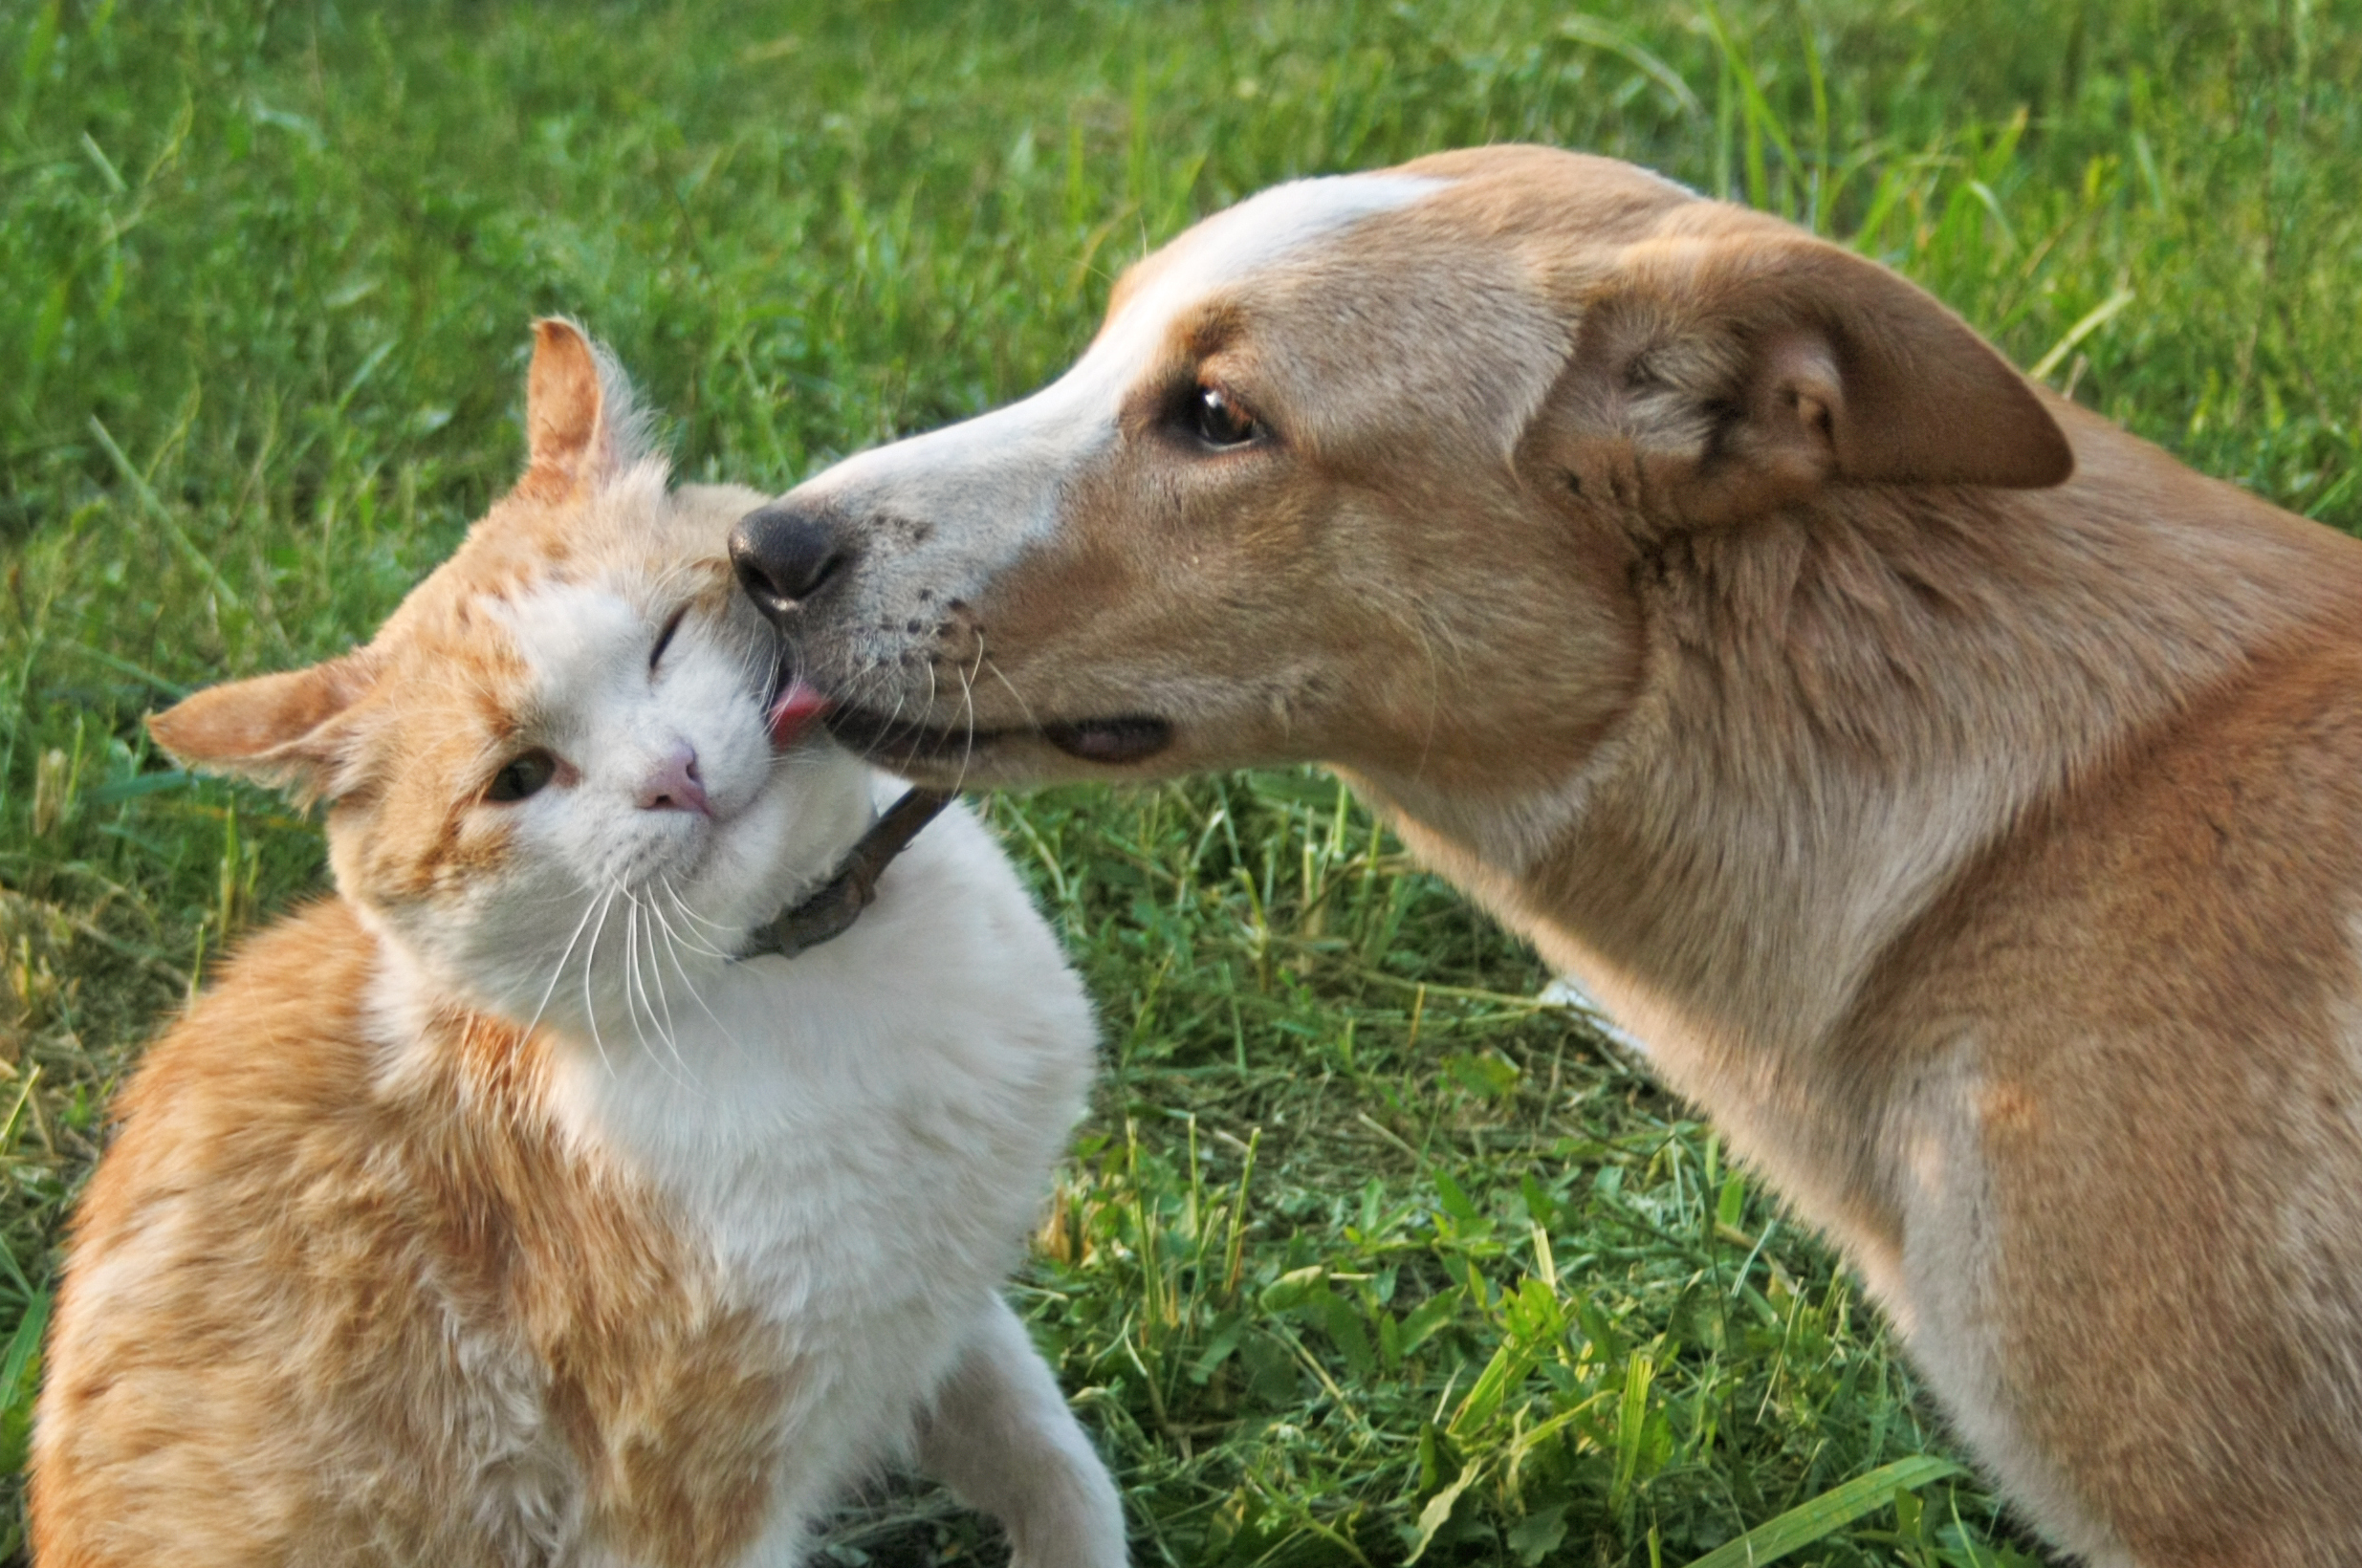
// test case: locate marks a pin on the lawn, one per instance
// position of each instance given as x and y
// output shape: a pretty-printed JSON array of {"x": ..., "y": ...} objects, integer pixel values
[{"x": 1363, "y": 1257}]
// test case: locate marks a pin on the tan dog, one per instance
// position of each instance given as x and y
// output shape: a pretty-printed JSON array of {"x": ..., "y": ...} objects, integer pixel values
[{"x": 1962, "y": 798}]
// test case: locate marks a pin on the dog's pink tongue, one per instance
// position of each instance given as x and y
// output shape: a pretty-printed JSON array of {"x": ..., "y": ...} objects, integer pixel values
[{"x": 798, "y": 709}]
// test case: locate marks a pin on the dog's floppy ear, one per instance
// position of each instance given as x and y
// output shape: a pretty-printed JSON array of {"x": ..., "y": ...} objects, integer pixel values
[
  {"x": 1717, "y": 377},
  {"x": 581, "y": 423},
  {"x": 291, "y": 731}
]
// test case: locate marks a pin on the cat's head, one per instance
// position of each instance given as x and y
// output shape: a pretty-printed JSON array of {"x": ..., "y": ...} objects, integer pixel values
[{"x": 563, "y": 761}]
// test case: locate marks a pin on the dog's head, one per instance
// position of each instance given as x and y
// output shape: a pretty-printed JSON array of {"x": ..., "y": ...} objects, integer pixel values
[{"x": 1359, "y": 472}]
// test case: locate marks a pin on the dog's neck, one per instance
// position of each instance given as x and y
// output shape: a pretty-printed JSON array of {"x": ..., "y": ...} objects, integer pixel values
[{"x": 1840, "y": 709}]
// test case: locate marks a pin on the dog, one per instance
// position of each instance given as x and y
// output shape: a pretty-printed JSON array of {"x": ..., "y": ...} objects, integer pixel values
[{"x": 1961, "y": 797}]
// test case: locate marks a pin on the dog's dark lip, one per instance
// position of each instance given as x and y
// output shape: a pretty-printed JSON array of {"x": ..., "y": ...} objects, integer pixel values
[{"x": 1131, "y": 737}]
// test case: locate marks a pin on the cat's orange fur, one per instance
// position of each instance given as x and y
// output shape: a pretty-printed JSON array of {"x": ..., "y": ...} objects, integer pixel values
[
  {"x": 375, "y": 1274},
  {"x": 262, "y": 1315},
  {"x": 272, "y": 1141}
]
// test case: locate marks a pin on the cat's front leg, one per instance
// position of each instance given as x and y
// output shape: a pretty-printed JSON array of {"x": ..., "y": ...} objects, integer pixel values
[{"x": 999, "y": 1433}]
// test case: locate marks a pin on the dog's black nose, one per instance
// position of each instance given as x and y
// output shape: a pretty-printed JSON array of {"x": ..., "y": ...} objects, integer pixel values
[{"x": 784, "y": 555}]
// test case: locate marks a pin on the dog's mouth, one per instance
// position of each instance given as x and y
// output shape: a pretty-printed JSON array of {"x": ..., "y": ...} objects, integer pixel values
[{"x": 905, "y": 744}]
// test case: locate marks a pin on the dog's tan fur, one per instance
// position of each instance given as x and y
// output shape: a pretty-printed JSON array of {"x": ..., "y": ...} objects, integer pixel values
[{"x": 1980, "y": 845}]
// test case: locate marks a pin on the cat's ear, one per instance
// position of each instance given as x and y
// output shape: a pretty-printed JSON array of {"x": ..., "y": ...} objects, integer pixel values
[
  {"x": 582, "y": 426},
  {"x": 291, "y": 731}
]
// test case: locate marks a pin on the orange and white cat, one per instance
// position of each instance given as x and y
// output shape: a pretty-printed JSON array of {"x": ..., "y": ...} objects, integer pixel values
[{"x": 490, "y": 1213}]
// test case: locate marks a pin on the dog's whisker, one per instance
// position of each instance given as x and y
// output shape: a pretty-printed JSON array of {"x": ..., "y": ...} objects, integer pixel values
[{"x": 1023, "y": 706}]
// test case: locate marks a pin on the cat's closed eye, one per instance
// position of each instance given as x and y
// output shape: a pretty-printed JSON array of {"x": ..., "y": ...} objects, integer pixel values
[
  {"x": 664, "y": 639},
  {"x": 522, "y": 776}
]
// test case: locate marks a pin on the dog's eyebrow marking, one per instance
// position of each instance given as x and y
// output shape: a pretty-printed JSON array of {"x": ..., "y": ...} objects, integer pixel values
[
  {"x": 1235, "y": 243},
  {"x": 1079, "y": 409},
  {"x": 1260, "y": 230},
  {"x": 1000, "y": 469},
  {"x": 1229, "y": 246}
]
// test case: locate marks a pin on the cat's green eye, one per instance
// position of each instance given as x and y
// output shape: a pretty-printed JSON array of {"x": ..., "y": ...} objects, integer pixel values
[{"x": 525, "y": 774}]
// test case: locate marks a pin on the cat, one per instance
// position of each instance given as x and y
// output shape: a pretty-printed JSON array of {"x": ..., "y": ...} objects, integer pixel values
[{"x": 491, "y": 1212}]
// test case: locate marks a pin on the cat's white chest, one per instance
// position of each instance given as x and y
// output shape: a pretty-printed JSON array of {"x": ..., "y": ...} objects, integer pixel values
[
  {"x": 860, "y": 1136},
  {"x": 816, "y": 1137}
]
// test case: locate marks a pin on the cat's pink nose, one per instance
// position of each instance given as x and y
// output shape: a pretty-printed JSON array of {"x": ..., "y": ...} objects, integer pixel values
[{"x": 674, "y": 785}]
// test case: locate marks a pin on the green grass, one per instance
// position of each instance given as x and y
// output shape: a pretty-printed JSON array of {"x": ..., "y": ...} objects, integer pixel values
[{"x": 1362, "y": 1255}]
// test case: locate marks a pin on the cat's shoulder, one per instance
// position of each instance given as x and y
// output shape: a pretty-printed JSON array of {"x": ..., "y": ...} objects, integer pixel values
[
  {"x": 283, "y": 992},
  {"x": 280, "y": 1036}
]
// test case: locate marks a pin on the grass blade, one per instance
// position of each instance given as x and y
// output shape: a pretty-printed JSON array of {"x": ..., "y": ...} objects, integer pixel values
[
  {"x": 26, "y": 1341},
  {"x": 2094, "y": 318},
  {"x": 1832, "y": 1511},
  {"x": 1614, "y": 40}
]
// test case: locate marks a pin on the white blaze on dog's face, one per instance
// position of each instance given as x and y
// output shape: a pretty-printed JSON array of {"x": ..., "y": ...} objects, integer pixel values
[
  {"x": 1355, "y": 472},
  {"x": 1004, "y": 467}
]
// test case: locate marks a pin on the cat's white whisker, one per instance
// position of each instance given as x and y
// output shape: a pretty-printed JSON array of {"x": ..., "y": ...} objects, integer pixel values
[
  {"x": 665, "y": 1029},
  {"x": 756, "y": 664},
  {"x": 691, "y": 941},
  {"x": 557, "y": 971},
  {"x": 634, "y": 994},
  {"x": 590, "y": 966},
  {"x": 665, "y": 580},
  {"x": 664, "y": 893},
  {"x": 696, "y": 992}
]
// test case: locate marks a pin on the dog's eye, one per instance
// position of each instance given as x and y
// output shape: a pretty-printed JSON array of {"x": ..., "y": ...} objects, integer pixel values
[
  {"x": 523, "y": 775},
  {"x": 1221, "y": 421},
  {"x": 664, "y": 639}
]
